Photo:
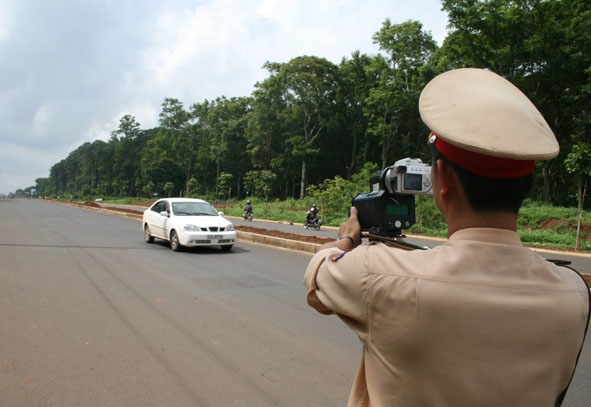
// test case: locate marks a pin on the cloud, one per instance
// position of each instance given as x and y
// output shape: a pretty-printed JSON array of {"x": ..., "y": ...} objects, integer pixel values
[{"x": 71, "y": 69}]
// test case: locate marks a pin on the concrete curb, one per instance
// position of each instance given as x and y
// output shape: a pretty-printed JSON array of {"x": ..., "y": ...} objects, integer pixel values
[{"x": 278, "y": 242}]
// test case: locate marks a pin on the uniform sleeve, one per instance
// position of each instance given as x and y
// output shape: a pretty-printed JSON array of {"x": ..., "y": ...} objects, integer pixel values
[
  {"x": 339, "y": 286},
  {"x": 310, "y": 279}
]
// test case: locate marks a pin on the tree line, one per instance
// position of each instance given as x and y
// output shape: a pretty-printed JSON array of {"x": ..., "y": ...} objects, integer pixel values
[{"x": 312, "y": 120}]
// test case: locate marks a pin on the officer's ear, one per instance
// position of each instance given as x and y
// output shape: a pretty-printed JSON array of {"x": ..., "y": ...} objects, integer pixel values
[
  {"x": 448, "y": 180},
  {"x": 443, "y": 174}
]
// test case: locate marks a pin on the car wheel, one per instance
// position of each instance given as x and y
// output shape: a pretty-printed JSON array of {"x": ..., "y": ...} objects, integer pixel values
[
  {"x": 147, "y": 235},
  {"x": 227, "y": 248},
  {"x": 175, "y": 245}
]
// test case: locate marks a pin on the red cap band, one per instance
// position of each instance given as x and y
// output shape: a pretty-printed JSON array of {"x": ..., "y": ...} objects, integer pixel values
[{"x": 484, "y": 165}]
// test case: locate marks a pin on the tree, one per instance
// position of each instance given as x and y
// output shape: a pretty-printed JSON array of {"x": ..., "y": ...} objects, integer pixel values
[
  {"x": 578, "y": 162},
  {"x": 335, "y": 195},
  {"x": 176, "y": 138},
  {"x": 169, "y": 188},
  {"x": 193, "y": 188},
  {"x": 161, "y": 171},
  {"x": 44, "y": 186},
  {"x": 260, "y": 182},
  {"x": 268, "y": 129},
  {"x": 202, "y": 131},
  {"x": 401, "y": 75},
  {"x": 224, "y": 184},
  {"x": 228, "y": 120},
  {"x": 409, "y": 48},
  {"x": 355, "y": 82},
  {"x": 309, "y": 90},
  {"x": 127, "y": 152},
  {"x": 149, "y": 188},
  {"x": 540, "y": 46}
]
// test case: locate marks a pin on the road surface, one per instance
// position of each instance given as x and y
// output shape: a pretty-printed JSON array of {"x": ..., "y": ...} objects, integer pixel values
[{"x": 93, "y": 316}]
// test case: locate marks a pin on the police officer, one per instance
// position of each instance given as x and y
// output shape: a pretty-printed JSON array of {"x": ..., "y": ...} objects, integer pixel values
[{"x": 480, "y": 320}]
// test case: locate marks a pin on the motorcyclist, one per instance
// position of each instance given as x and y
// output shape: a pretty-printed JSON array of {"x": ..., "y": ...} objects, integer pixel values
[
  {"x": 248, "y": 208},
  {"x": 312, "y": 214}
]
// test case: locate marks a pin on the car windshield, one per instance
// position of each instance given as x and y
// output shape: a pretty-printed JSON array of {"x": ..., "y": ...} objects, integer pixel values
[{"x": 193, "y": 209}]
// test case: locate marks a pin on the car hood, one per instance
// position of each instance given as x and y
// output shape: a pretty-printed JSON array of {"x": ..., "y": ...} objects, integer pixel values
[{"x": 204, "y": 221}]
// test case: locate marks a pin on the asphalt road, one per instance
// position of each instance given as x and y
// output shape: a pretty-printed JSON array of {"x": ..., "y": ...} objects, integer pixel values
[{"x": 93, "y": 316}]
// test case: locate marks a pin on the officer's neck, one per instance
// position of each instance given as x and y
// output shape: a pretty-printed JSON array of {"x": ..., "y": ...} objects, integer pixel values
[
  {"x": 470, "y": 219},
  {"x": 457, "y": 211}
]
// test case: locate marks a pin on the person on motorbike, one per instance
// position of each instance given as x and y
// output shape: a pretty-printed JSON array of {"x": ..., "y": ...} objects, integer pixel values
[
  {"x": 312, "y": 214},
  {"x": 248, "y": 208}
]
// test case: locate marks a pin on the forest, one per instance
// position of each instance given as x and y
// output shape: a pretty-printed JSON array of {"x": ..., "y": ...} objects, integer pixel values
[{"x": 312, "y": 120}]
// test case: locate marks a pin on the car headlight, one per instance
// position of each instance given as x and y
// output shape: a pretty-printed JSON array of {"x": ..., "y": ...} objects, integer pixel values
[
  {"x": 192, "y": 228},
  {"x": 230, "y": 227}
]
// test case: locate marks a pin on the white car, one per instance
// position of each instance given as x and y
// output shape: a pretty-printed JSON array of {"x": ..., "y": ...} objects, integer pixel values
[{"x": 187, "y": 222}]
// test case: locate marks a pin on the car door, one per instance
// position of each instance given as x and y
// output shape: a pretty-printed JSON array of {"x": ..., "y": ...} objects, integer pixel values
[
  {"x": 157, "y": 221},
  {"x": 165, "y": 220}
]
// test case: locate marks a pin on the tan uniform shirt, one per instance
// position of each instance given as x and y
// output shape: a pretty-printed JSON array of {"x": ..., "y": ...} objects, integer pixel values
[{"x": 478, "y": 321}]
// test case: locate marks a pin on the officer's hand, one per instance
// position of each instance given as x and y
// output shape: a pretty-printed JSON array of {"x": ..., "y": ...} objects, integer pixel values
[
  {"x": 351, "y": 227},
  {"x": 349, "y": 233}
]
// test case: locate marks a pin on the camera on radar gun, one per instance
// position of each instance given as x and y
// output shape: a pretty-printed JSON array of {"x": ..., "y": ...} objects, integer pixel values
[{"x": 389, "y": 207}]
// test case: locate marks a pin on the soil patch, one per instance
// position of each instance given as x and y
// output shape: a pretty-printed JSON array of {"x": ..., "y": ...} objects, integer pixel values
[
  {"x": 556, "y": 223},
  {"x": 91, "y": 204},
  {"x": 284, "y": 235},
  {"x": 114, "y": 209}
]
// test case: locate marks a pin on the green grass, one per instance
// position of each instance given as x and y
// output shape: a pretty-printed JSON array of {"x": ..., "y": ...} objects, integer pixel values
[
  {"x": 129, "y": 201},
  {"x": 551, "y": 226},
  {"x": 289, "y": 211}
]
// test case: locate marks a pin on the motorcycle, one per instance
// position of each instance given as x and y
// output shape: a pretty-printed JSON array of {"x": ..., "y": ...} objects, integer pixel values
[
  {"x": 313, "y": 223},
  {"x": 247, "y": 215}
]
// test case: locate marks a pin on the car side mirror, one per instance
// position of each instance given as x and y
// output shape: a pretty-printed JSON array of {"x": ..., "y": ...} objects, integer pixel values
[
  {"x": 221, "y": 213},
  {"x": 164, "y": 213}
]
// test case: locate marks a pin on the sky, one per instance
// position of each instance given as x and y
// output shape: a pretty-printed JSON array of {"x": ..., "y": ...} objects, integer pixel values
[{"x": 71, "y": 69}]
